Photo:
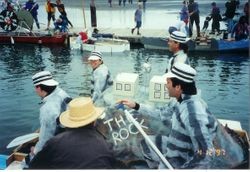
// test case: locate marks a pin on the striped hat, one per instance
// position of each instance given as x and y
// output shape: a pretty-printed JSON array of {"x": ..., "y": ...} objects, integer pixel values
[
  {"x": 181, "y": 71},
  {"x": 95, "y": 55},
  {"x": 44, "y": 78},
  {"x": 179, "y": 37}
]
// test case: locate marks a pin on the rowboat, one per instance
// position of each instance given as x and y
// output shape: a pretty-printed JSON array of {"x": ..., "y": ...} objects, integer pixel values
[
  {"x": 104, "y": 45},
  {"x": 16, "y": 160},
  {"x": 200, "y": 45},
  {"x": 17, "y": 28},
  {"x": 32, "y": 38}
]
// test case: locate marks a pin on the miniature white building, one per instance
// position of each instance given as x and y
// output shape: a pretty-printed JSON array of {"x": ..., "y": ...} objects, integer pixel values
[
  {"x": 126, "y": 84},
  {"x": 157, "y": 89}
]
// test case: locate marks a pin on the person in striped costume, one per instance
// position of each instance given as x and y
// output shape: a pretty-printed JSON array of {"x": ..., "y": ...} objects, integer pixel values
[
  {"x": 101, "y": 76},
  {"x": 196, "y": 139}
]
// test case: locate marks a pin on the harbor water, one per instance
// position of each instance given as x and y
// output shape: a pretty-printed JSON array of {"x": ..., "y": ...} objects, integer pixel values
[{"x": 222, "y": 78}]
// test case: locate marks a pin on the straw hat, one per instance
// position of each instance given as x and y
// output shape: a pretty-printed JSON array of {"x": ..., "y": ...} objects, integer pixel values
[{"x": 81, "y": 112}]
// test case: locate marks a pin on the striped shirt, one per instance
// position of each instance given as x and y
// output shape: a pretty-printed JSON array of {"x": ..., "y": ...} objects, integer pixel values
[
  {"x": 194, "y": 137},
  {"x": 101, "y": 80}
]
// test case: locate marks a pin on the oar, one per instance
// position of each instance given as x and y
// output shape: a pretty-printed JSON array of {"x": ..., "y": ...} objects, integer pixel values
[
  {"x": 12, "y": 40},
  {"x": 22, "y": 139},
  {"x": 152, "y": 145}
]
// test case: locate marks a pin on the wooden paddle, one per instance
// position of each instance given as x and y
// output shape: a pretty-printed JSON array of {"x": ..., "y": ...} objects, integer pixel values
[
  {"x": 22, "y": 139},
  {"x": 148, "y": 140}
]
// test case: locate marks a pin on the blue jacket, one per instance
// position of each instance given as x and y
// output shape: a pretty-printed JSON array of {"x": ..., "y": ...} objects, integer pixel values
[{"x": 32, "y": 7}]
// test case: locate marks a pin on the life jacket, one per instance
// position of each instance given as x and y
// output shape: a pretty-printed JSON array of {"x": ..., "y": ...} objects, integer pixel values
[
  {"x": 49, "y": 7},
  {"x": 84, "y": 36}
]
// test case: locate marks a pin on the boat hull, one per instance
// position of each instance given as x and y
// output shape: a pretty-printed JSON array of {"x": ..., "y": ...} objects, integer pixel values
[
  {"x": 107, "y": 45},
  {"x": 199, "y": 45},
  {"x": 32, "y": 39}
]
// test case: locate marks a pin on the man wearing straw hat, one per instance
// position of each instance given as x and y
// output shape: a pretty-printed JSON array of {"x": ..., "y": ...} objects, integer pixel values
[
  {"x": 81, "y": 146},
  {"x": 54, "y": 102},
  {"x": 101, "y": 76},
  {"x": 178, "y": 46},
  {"x": 196, "y": 138}
]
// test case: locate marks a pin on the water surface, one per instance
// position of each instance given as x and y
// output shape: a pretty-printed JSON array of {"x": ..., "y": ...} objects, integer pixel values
[{"x": 223, "y": 79}]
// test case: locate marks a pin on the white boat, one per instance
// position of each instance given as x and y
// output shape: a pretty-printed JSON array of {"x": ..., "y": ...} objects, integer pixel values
[{"x": 106, "y": 45}]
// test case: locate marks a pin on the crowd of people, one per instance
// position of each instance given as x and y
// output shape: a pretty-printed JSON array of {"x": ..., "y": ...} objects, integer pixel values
[
  {"x": 236, "y": 29},
  {"x": 61, "y": 23}
]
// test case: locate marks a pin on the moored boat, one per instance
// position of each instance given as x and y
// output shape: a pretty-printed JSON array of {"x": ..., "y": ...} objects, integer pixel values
[
  {"x": 32, "y": 38},
  {"x": 200, "y": 45},
  {"x": 107, "y": 45}
]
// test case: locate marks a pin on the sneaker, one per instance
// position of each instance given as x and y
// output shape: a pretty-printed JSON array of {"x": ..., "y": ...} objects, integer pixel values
[
  {"x": 138, "y": 33},
  {"x": 132, "y": 31}
]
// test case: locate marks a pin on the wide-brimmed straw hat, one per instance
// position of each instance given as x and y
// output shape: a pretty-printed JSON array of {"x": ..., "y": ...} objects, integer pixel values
[
  {"x": 81, "y": 112},
  {"x": 44, "y": 78}
]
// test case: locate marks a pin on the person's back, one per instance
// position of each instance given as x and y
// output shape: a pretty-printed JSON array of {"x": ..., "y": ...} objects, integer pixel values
[
  {"x": 53, "y": 104},
  {"x": 240, "y": 30},
  {"x": 81, "y": 146},
  {"x": 231, "y": 8}
]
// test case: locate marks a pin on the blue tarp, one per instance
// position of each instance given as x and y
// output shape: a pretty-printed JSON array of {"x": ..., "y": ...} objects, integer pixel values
[{"x": 3, "y": 159}]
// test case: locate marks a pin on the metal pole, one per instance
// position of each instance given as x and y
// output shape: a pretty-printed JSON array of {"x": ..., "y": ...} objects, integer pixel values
[
  {"x": 84, "y": 18},
  {"x": 137, "y": 125}
]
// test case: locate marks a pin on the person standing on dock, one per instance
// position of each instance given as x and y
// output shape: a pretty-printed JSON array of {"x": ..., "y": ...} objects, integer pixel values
[
  {"x": 178, "y": 46},
  {"x": 50, "y": 9},
  {"x": 54, "y": 102},
  {"x": 32, "y": 7},
  {"x": 61, "y": 9},
  {"x": 194, "y": 15},
  {"x": 138, "y": 19},
  {"x": 215, "y": 15}
]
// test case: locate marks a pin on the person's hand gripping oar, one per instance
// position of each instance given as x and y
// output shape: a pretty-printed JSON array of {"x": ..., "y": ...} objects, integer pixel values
[{"x": 137, "y": 125}]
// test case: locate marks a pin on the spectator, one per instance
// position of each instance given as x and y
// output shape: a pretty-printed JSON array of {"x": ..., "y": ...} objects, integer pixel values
[
  {"x": 138, "y": 20},
  {"x": 184, "y": 12},
  {"x": 194, "y": 16},
  {"x": 32, "y": 7},
  {"x": 50, "y": 9},
  {"x": 240, "y": 30},
  {"x": 61, "y": 9},
  {"x": 215, "y": 15},
  {"x": 231, "y": 6}
]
